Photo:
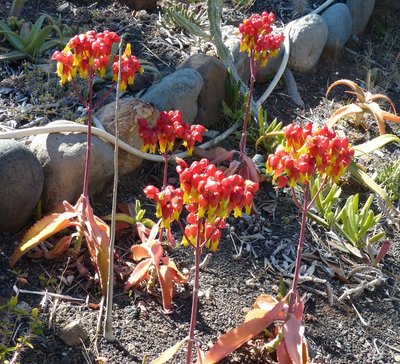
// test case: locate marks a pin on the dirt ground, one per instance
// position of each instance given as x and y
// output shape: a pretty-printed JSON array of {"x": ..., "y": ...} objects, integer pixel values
[{"x": 255, "y": 252}]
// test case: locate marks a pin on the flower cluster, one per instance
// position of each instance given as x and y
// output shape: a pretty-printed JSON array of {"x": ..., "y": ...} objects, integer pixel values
[
  {"x": 89, "y": 54},
  {"x": 169, "y": 203},
  {"x": 129, "y": 66},
  {"x": 169, "y": 127},
  {"x": 209, "y": 232},
  {"x": 306, "y": 152},
  {"x": 209, "y": 194},
  {"x": 257, "y": 37}
]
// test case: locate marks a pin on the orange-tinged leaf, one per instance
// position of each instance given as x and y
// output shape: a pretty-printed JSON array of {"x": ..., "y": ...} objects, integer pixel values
[
  {"x": 139, "y": 274},
  {"x": 167, "y": 286},
  {"x": 357, "y": 90},
  {"x": 342, "y": 112},
  {"x": 391, "y": 117},
  {"x": 44, "y": 228},
  {"x": 294, "y": 332},
  {"x": 156, "y": 252},
  {"x": 265, "y": 302},
  {"x": 236, "y": 337},
  {"x": 384, "y": 97},
  {"x": 375, "y": 110},
  {"x": 178, "y": 276},
  {"x": 170, "y": 353},
  {"x": 60, "y": 248},
  {"x": 139, "y": 252}
]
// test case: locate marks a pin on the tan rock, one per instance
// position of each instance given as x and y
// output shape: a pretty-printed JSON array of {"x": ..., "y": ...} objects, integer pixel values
[{"x": 131, "y": 109}]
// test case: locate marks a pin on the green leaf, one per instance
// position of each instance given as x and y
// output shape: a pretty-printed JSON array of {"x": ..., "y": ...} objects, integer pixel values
[
  {"x": 366, "y": 180},
  {"x": 36, "y": 29},
  {"x": 13, "y": 301},
  {"x": 13, "y": 38},
  {"x": 376, "y": 237},
  {"x": 13, "y": 56},
  {"x": 37, "y": 42},
  {"x": 376, "y": 143}
]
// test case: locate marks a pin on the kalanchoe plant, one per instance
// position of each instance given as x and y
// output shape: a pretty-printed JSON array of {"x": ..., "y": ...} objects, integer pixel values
[
  {"x": 209, "y": 196},
  {"x": 152, "y": 263},
  {"x": 304, "y": 153},
  {"x": 260, "y": 43},
  {"x": 86, "y": 55}
]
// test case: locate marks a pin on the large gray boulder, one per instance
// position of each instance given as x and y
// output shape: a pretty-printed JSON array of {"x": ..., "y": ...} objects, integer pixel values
[
  {"x": 214, "y": 73},
  {"x": 339, "y": 21},
  {"x": 130, "y": 111},
  {"x": 360, "y": 11},
  {"x": 63, "y": 157},
  {"x": 177, "y": 91},
  {"x": 307, "y": 40},
  {"x": 21, "y": 184}
]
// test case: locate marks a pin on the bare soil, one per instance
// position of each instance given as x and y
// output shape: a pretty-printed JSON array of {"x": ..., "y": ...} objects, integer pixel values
[{"x": 255, "y": 252}]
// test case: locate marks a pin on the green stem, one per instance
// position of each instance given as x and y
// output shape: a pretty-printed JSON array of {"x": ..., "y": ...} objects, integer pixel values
[
  {"x": 300, "y": 247},
  {"x": 195, "y": 297}
]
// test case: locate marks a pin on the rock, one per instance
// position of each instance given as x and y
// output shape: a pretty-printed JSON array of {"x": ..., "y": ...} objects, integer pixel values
[
  {"x": 360, "y": 11},
  {"x": 177, "y": 91},
  {"x": 73, "y": 334},
  {"x": 139, "y": 4},
  {"x": 339, "y": 21},
  {"x": 130, "y": 110},
  {"x": 21, "y": 181},
  {"x": 231, "y": 39},
  {"x": 214, "y": 73},
  {"x": 307, "y": 40},
  {"x": 268, "y": 72},
  {"x": 63, "y": 156}
]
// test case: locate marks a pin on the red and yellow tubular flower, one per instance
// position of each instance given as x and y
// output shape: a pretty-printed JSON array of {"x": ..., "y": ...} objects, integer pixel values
[
  {"x": 89, "y": 54},
  {"x": 211, "y": 196},
  {"x": 169, "y": 203},
  {"x": 169, "y": 129},
  {"x": 129, "y": 66},
  {"x": 307, "y": 151},
  {"x": 257, "y": 37}
]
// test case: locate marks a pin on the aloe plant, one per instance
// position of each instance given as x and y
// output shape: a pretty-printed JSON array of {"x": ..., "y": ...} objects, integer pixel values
[{"x": 31, "y": 42}]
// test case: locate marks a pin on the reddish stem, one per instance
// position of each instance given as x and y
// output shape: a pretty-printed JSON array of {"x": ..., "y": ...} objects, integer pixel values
[
  {"x": 89, "y": 137},
  {"x": 243, "y": 139},
  {"x": 299, "y": 249},
  {"x": 165, "y": 175},
  {"x": 195, "y": 296}
]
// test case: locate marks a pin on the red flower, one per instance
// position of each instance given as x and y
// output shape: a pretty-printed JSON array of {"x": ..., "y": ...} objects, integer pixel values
[
  {"x": 306, "y": 152},
  {"x": 257, "y": 37},
  {"x": 169, "y": 129}
]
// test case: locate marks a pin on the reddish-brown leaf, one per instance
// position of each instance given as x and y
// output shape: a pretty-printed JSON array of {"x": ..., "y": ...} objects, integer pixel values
[
  {"x": 177, "y": 276},
  {"x": 139, "y": 274},
  {"x": 167, "y": 286},
  {"x": 282, "y": 353},
  {"x": 60, "y": 248},
  {"x": 294, "y": 331}
]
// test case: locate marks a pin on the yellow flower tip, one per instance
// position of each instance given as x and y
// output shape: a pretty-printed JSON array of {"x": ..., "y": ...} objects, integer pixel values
[
  {"x": 128, "y": 50},
  {"x": 122, "y": 86},
  {"x": 141, "y": 70}
]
